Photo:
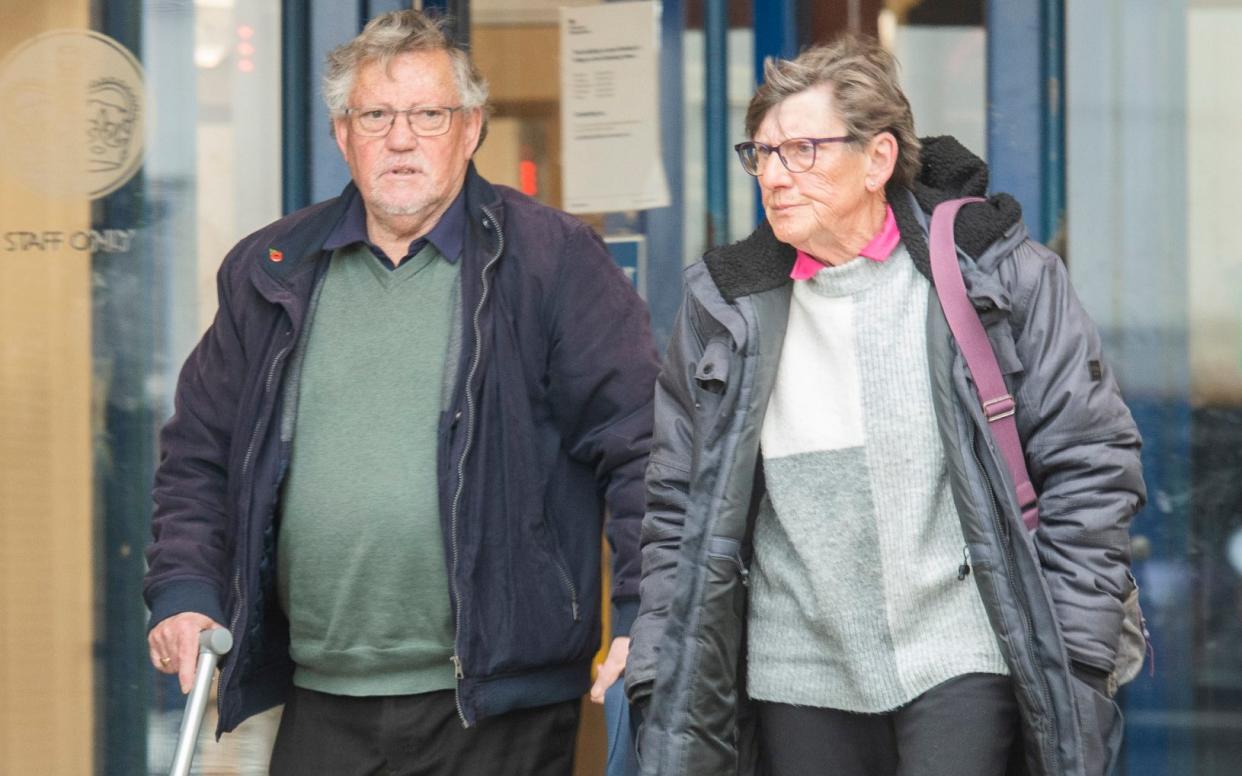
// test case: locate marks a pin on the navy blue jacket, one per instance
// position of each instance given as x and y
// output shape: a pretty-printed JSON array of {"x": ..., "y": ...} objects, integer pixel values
[{"x": 550, "y": 417}]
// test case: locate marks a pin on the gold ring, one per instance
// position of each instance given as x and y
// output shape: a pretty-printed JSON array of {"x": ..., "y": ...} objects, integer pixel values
[{"x": 165, "y": 661}]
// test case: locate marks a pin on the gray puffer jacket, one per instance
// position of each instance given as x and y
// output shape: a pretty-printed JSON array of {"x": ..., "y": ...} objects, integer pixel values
[{"x": 1054, "y": 596}]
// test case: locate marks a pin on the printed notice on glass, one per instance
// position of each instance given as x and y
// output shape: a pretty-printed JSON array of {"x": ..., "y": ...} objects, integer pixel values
[{"x": 610, "y": 121}]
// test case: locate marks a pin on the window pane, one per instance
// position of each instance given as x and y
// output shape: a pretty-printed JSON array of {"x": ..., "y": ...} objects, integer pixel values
[
  {"x": 142, "y": 141},
  {"x": 1152, "y": 107}
]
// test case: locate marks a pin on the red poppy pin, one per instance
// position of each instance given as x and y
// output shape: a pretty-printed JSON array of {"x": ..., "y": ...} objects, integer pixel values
[{"x": 275, "y": 255}]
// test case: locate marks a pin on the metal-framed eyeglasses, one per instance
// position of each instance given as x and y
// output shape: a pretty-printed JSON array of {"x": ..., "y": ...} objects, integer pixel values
[
  {"x": 796, "y": 153},
  {"x": 423, "y": 120}
]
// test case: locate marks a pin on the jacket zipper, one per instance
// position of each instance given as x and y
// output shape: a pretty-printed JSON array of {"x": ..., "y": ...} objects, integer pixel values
[
  {"x": 237, "y": 591},
  {"x": 1010, "y": 562},
  {"x": 458, "y": 673}
]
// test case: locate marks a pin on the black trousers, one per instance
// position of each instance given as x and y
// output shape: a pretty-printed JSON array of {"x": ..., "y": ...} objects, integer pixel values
[
  {"x": 419, "y": 735},
  {"x": 963, "y": 727}
]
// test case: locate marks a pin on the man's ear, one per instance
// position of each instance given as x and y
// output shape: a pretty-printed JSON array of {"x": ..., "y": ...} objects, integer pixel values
[
  {"x": 474, "y": 128},
  {"x": 340, "y": 131}
]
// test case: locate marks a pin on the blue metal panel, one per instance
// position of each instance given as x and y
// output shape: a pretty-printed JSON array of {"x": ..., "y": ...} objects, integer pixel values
[
  {"x": 663, "y": 226},
  {"x": 716, "y": 120},
  {"x": 128, "y": 335},
  {"x": 374, "y": 8},
  {"x": 1052, "y": 76},
  {"x": 331, "y": 23},
  {"x": 775, "y": 36},
  {"x": 1026, "y": 117},
  {"x": 775, "y": 32},
  {"x": 458, "y": 11},
  {"x": 297, "y": 97}
]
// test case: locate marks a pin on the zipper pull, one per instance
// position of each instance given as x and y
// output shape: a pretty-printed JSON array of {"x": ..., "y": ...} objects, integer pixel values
[
  {"x": 573, "y": 605},
  {"x": 964, "y": 569},
  {"x": 457, "y": 672}
]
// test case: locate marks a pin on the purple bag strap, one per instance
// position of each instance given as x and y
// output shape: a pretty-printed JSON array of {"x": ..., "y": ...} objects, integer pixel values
[{"x": 998, "y": 406}]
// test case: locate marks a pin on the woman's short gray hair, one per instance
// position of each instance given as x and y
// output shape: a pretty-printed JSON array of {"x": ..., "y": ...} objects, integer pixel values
[
  {"x": 390, "y": 35},
  {"x": 865, "y": 92}
]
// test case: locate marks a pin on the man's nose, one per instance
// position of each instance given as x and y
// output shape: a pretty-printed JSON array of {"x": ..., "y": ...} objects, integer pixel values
[{"x": 401, "y": 136}]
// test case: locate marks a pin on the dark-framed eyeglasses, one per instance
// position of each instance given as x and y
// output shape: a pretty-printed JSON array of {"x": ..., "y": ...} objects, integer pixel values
[
  {"x": 423, "y": 120},
  {"x": 796, "y": 153}
]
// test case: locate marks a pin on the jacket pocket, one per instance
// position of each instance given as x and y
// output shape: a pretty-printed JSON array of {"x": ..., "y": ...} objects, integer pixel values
[
  {"x": 1100, "y": 726},
  {"x": 711, "y": 383},
  {"x": 1000, "y": 337},
  {"x": 714, "y": 699},
  {"x": 711, "y": 373},
  {"x": 559, "y": 567},
  {"x": 730, "y": 550},
  {"x": 1133, "y": 646}
]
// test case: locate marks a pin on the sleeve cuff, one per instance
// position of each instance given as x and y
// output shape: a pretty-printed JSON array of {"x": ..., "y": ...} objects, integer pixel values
[
  {"x": 193, "y": 595},
  {"x": 624, "y": 612}
]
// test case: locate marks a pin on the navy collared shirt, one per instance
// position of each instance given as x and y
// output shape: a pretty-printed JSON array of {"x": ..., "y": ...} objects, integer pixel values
[{"x": 447, "y": 235}]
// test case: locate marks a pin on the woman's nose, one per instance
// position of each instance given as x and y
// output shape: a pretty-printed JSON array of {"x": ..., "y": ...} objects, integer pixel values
[{"x": 772, "y": 172}]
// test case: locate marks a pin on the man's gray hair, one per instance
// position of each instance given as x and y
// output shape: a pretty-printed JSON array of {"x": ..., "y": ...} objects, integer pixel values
[
  {"x": 390, "y": 35},
  {"x": 865, "y": 93}
]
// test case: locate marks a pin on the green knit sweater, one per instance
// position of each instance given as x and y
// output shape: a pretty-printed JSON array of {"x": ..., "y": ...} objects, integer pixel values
[{"x": 361, "y": 562}]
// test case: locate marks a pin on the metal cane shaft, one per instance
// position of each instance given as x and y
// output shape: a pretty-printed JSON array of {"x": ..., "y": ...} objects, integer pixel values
[{"x": 212, "y": 644}]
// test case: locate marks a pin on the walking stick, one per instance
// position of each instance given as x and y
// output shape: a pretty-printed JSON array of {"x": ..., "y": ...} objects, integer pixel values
[{"x": 211, "y": 645}]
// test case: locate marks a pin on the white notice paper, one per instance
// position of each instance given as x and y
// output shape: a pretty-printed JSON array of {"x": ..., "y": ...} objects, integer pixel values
[{"x": 610, "y": 123}]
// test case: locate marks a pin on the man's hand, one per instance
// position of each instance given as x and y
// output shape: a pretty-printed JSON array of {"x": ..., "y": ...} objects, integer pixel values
[
  {"x": 174, "y": 645},
  {"x": 611, "y": 669}
]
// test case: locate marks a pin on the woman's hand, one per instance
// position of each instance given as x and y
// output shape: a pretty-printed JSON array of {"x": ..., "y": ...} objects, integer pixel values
[{"x": 611, "y": 669}]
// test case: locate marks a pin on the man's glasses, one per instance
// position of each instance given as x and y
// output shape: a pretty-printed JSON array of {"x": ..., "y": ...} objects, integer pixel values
[
  {"x": 424, "y": 120},
  {"x": 796, "y": 153}
]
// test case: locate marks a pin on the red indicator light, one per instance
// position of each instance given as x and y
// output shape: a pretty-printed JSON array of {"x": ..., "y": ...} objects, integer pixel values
[{"x": 528, "y": 177}]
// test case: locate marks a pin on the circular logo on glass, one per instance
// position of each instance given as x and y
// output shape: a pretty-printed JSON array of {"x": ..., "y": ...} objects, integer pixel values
[{"x": 73, "y": 114}]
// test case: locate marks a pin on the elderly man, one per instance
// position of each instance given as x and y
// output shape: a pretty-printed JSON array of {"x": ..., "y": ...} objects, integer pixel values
[{"x": 391, "y": 450}]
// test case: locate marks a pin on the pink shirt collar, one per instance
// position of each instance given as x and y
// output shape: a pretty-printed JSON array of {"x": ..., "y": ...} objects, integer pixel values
[{"x": 879, "y": 249}]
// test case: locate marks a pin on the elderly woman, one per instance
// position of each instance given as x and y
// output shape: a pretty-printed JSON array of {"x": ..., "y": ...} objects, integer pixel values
[{"x": 836, "y": 576}]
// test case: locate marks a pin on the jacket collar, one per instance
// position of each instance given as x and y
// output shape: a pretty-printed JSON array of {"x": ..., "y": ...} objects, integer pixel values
[
  {"x": 480, "y": 195},
  {"x": 284, "y": 269},
  {"x": 755, "y": 264},
  {"x": 299, "y": 246},
  {"x": 761, "y": 262},
  {"x": 291, "y": 257}
]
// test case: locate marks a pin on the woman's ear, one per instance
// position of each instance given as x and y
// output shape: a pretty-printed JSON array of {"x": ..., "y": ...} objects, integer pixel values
[{"x": 881, "y": 160}]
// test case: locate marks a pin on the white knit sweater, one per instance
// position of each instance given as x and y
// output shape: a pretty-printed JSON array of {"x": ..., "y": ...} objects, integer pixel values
[{"x": 856, "y": 602}]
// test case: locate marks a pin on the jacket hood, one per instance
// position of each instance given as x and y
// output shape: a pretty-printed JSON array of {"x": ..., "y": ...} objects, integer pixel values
[{"x": 760, "y": 262}]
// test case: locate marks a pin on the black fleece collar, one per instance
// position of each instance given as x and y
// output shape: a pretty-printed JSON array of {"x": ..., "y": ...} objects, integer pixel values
[
  {"x": 760, "y": 262},
  {"x": 757, "y": 263}
]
